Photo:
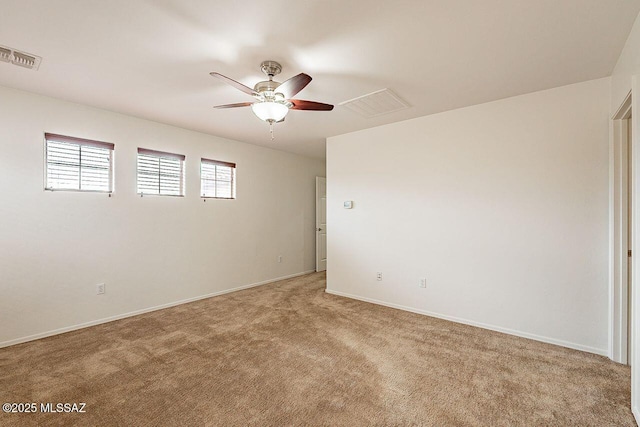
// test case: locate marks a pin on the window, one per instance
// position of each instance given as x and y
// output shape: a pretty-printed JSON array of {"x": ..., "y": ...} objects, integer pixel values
[
  {"x": 160, "y": 173},
  {"x": 78, "y": 164},
  {"x": 217, "y": 179}
]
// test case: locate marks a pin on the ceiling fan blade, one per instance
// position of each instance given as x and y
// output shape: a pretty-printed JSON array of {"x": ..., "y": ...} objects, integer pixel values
[
  {"x": 301, "y": 104},
  {"x": 239, "y": 104},
  {"x": 237, "y": 85},
  {"x": 294, "y": 85}
]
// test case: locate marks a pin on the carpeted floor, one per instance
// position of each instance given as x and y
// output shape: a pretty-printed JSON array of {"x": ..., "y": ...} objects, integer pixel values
[{"x": 287, "y": 353}]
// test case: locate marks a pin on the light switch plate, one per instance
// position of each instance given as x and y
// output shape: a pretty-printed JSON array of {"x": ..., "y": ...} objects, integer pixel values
[{"x": 348, "y": 204}]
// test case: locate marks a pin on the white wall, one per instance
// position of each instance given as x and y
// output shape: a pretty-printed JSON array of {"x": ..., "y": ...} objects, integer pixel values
[
  {"x": 627, "y": 66},
  {"x": 501, "y": 206},
  {"x": 56, "y": 246}
]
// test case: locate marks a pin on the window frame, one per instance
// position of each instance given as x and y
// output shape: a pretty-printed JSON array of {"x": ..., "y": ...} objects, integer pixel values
[
  {"x": 233, "y": 178},
  {"x": 80, "y": 142},
  {"x": 159, "y": 155}
]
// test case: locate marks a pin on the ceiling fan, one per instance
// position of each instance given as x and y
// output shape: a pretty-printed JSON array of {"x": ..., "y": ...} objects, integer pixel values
[{"x": 273, "y": 99}]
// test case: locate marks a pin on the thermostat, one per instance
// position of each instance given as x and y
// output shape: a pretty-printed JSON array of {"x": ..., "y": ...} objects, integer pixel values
[{"x": 348, "y": 204}]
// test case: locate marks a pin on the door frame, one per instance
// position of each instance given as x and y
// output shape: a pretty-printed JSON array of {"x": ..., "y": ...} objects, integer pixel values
[{"x": 618, "y": 224}]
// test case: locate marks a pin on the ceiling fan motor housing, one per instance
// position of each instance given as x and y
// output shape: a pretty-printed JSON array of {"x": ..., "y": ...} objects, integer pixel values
[{"x": 266, "y": 86}]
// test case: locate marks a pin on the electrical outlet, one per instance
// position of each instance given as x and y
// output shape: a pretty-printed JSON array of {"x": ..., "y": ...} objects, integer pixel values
[
  {"x": 379, "y": 276},
  {"x": 100, "y": 288},
  {"x": 279, "y": 258},
  {"x": 423, "y": 283}
]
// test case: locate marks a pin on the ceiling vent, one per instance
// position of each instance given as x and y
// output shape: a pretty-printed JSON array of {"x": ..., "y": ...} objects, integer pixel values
[
  {"x": 21, "y": 59},
  {"x": 376, "y": 103}
]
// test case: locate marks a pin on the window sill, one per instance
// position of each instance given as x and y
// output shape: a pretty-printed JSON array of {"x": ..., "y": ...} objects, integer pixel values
[
  {"x": 72, "y": 190},
  {"x": 205, "y": 198},
  {"x": 160, "y": 195}
]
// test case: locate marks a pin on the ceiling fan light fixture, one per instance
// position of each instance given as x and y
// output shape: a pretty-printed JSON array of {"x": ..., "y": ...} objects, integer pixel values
[
  {"x": 273, "y": 99},
  {"x": 269, "y": 111}
]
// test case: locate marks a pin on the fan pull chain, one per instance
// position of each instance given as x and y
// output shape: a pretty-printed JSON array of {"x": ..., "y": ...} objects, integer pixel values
[{"x": 271, "y": 129}]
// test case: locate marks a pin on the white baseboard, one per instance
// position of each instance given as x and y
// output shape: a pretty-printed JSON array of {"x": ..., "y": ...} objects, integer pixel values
[
  {"x": 602, "y": 352},
  {"x": 636, "y": 413},
  {"x": 142, "y": 311}
]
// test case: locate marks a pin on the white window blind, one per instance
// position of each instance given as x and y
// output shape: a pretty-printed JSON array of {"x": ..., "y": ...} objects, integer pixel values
[
  {"x": 217, "y": 179},
  {"x": 78, "y": 164},
  {"x": 160, "y": 173}
]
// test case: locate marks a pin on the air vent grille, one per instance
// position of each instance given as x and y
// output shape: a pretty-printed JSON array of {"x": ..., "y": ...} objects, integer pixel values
[
  {"x": 376, "y": 103},
  {"x": 21, "y": 59}
]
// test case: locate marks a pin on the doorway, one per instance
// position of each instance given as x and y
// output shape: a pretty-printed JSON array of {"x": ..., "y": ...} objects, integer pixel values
[
  {"x": 321, "y": 223},
  {"x": 630, "y": 227},
  {"x": 623, "y": 234}
]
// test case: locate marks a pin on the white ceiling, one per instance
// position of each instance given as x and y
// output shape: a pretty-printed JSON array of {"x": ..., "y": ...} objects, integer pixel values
[{"x": 152, "y": 58}]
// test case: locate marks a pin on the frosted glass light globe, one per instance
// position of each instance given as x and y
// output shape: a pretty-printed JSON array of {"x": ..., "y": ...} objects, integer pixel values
[{"x": 269, "y": 111}]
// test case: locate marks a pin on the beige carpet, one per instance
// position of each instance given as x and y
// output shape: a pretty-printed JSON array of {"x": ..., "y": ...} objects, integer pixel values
[{"x": 290, "y": 354}]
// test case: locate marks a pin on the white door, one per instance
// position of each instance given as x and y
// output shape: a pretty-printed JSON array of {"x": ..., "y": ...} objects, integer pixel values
[{"x": 321, "y": 223}]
